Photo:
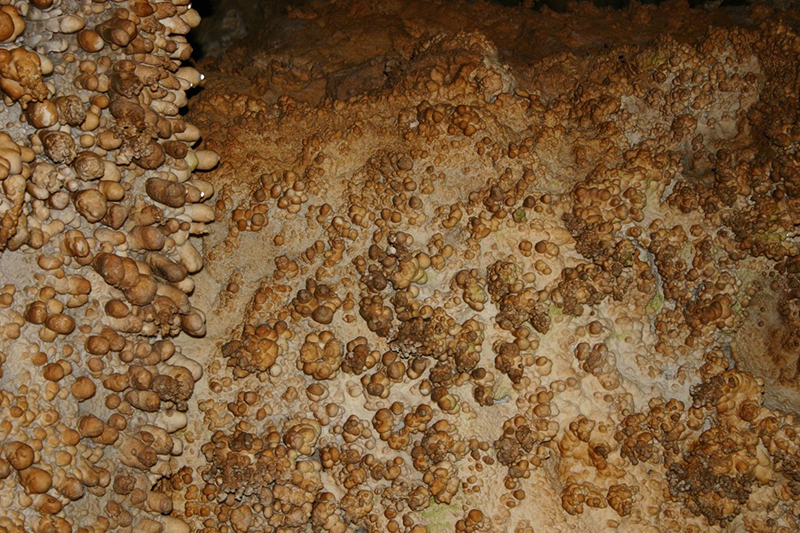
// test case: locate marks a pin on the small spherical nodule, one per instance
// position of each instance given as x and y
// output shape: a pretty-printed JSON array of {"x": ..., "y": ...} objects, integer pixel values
[
  {"x": 76, "y": 244},
  {"x": 206, "y": 159},
  {"x": 71, "y": 23},
  {"x": 11, "y": 24},
  {"x": 166, "y": 268},
  {"x": 89, "y": 166},
  {"x": 117, "y": 309},
  {"x": 91, "y": 204},
  {"x": 60, "y": 323},
  {"x": 58, "y": 146},
  {"x": 108, "y": 140},
  {"x": 146, "y": 238},
  {"x": 90, "y": 426},
  {"x": 5, "y": 469},
  {"x": 36, "y": 312},
  {"x": 194, "y": 323},
  {"x": 42, "y": 4},
  {"x": 71, "y": 488},
  {"x": 97, "y": 345},
  {"x": 118, "y": 31},
  {"x": 19, "y": 455},
  {"x": 48, "y": 505},
  {"x": 90, "y": 40},
  {"x": 154, "y": 158},
  {"x": 6, "y": 26},
  {"x": 112, "y": 190},
  {"x": 166, "y": 192},
  {"x": 53, "y": 372},
  {"x": 143, "y": 292},
  {"x": 35, "y": 480},
  {"x": 71, "y": 110},
  {"x": 83, "y": 389},
  {"x": 42, "y": 114}
]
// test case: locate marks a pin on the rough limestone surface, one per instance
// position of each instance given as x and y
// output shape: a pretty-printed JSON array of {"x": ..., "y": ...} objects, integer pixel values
[{"x": 431, "y": 267}]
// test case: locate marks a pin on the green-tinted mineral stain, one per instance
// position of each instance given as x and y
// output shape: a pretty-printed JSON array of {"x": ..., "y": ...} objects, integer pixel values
[
  {"x": 520, "y": 215},
  {"x": 724, "y": 335},
  {"x": 502, "y": 391},
  {"x": 432, "y": 276},
  {"x": 439, "y": 518},
  {"x": 655, "y": 304},
  {"x": 653, "y": 62},
  {"x": 554, "y": 311},
  {"x": 769, "y": 236}
]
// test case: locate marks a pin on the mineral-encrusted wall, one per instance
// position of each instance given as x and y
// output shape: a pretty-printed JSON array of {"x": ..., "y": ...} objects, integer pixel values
[
  {"x": 517, "y": 266},
  {"x": 100, "y": 206},
  {"x": 457, "y": 267}
]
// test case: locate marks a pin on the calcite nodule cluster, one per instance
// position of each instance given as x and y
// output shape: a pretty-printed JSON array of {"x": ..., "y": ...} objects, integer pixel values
[{"x": 457, "y": 267}]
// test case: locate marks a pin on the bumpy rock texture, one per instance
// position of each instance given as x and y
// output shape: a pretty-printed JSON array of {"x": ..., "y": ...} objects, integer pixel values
[
  {"x": 471, "y": 268},
  {"x": 99, "y": 206}
]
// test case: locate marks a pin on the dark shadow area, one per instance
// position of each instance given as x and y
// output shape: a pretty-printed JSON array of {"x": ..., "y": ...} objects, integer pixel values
[{"x": 226, "y": 22}]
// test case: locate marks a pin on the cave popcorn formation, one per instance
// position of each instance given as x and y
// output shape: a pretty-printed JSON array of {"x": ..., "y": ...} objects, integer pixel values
[
  {"x": 465, "y": 270},
  {"x": 101, "y": 202}
]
